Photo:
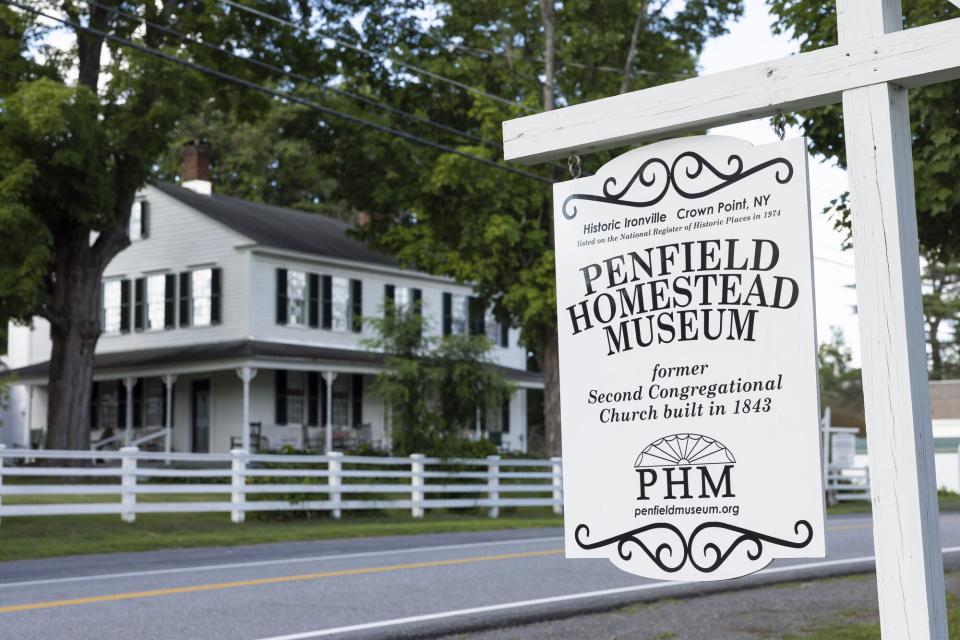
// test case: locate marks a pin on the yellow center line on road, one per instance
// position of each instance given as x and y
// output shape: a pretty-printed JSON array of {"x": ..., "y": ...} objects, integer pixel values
[{"x": 52, "y": 604}]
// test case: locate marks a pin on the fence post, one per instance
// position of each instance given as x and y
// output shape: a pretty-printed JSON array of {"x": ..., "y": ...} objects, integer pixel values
[
  {"x": 335, "y": 467},
  {"x": 493, "y": 482},
  {"x": 238, "y": 484},
  {"x": 557, "y": 482},
  {"x": 128, "y": 483},
  {"x": 416, "y": 484},
  {"x": 2, "y": 447}
]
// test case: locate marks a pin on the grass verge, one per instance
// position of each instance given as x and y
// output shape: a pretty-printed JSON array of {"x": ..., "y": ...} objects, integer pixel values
[
  {"x": 872, "y": 631},
  {"x": 23, "y": 538}
]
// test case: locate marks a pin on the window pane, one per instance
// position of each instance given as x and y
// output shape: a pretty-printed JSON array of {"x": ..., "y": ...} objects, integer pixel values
[
  {"x": 296, "y": 298},
  {"x": 156, "y": 301},
  {"x": 200, "y": 287},
  {"x": 341, "y": 304},
  {"x": 403, "y": 298},
  {"x": 296, "y": 406},
  {"x": 136, "y": 221},
  {"x": 461, "y": 313},
  {"x": 111, "y": 307}
]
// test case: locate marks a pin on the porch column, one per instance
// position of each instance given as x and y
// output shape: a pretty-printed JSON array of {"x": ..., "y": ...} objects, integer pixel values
[
  {"x": 477, "y": 426},
  {"x": 29, "y": 417},
  {"x": 128, "y": 384},
  {"x": 246, "y": 374},
  {"x": 168, "y": 381},
  {"x": 329, "y": 377}
]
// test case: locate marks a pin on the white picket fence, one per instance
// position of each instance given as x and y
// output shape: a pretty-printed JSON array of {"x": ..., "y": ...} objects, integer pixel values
[{"x": 332, "y": 483}]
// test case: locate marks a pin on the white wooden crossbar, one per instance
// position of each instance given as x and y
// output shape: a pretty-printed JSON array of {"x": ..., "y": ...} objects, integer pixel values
[
  {"x": 912, "y": 58},
  {"x": 257, "y": 483}
]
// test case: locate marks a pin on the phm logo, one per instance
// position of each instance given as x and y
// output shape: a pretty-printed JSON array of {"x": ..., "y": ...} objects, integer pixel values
[{"x": 669, "y": 466}]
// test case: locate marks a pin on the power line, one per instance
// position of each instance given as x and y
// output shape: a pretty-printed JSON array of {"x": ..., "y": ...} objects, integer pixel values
[
  {"x": 275, "y": 69},
  {"x": 373, "y": 54},
  {"x": 279, "y": 94}
]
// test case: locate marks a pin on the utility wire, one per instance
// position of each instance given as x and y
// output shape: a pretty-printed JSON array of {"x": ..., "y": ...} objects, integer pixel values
[
  {"x": 296, "y": 76},
  {"x": 279, "y": 94},
  {"x": 380, "y": 56}
]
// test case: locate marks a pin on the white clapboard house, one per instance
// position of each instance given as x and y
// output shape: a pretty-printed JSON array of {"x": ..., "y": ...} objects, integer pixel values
[{"x": 242, "y": 309}]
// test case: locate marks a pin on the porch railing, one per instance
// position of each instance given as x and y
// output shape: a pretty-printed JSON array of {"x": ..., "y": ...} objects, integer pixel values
[{"x": 239, "y": 483}]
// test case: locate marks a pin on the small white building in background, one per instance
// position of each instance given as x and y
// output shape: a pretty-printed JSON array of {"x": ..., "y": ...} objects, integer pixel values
[{"x": 214, "y": 289}]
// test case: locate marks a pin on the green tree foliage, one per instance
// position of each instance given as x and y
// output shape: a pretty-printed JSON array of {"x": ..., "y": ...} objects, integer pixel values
[
  {"x": 841, "y": 387},
  {"x": 280, "y": 157},
  {"x": 941, "y": 311},
  {"x": 80, "y": 131},
  {"x": 452, "y": 216},
  {"x": 434, "y": 388},
  {"x": 934, "y": 120}
]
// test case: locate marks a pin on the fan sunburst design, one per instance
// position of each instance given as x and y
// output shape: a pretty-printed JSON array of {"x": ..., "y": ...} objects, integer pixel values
[{"x": 682, "y": 449}]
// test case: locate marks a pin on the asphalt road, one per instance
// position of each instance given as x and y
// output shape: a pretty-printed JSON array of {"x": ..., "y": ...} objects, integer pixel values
[{"x": 409, "y": 586}]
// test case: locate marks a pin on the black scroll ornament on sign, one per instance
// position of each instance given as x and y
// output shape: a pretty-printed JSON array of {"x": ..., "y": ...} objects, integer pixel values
[
  {"x": 653, "y": 169},
  {"x": 671, "y": 557}
]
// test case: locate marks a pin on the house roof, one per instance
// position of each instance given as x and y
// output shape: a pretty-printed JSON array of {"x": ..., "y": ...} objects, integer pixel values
[
  {"x": 238, "y": 349},
  {"x": 279, "y": 227}
]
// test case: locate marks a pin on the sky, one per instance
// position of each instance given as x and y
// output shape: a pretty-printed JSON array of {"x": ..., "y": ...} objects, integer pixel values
[{"x": 750, "y": 41}]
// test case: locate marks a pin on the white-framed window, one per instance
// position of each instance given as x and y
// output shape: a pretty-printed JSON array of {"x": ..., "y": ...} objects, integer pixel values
[
  {"x": 156, "y": 301},
  {"x": 341, "y": 304},
  {"x": 297, "y": 298},
  {"x": 112, "y": 307},
  {"x": 201, "y": 297},
  {"x": 460, "y": 314},
  {"x": 138, "y": 220}
]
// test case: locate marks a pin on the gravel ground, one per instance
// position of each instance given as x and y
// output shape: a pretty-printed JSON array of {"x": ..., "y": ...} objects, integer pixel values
[{"x": 763, "y": 613}]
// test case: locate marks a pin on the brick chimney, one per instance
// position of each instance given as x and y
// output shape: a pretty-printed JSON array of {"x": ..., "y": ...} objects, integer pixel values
[
  {"x": 363, "y": 218},
  {"x": 195, "y": 167}
]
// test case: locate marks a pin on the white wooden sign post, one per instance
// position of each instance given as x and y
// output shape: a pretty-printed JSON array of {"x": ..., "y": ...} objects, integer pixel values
[{"x": 869, "y": 71}]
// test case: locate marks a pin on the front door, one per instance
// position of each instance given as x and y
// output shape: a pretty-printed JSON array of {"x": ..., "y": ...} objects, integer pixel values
[{"x": 201, "y": 416}]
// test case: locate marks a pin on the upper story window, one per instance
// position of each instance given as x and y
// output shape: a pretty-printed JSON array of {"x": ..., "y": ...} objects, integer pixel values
[
  {"x": 115, "y": 315},
  {"x": 310, "y": 300},
  {"x": 139, "y": 220},
  {"x": 456, "y": 314},
  {"x": 200, "y": 297},
  {"x": 407, "y": 298},
  {"x": 154, "y": 298},
  {"x": 464, "y": 315}
]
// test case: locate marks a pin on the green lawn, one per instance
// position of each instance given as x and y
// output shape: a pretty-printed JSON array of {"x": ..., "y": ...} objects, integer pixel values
[
  {"x": 872, "y": 631},
  {"x": 24, "y": 538}
]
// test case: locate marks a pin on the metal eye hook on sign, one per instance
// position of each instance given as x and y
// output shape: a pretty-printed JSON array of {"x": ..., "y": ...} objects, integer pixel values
[
  {"x": 573, "y": 164},
  {"x": 780, "y": 124}
]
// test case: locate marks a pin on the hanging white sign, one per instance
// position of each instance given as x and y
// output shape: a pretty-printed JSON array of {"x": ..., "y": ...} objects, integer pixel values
[
  {"x": 843, "y": 450},
  {"x": 688, "y": 371}
]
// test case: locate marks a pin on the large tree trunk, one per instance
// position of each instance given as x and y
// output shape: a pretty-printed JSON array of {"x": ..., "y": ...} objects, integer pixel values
[
  {"x": 551, "y": 392},
  {"x": 550, "y": 361},
  {"x": 74, "y": 315},
  {"x": 936, "y": 349}
]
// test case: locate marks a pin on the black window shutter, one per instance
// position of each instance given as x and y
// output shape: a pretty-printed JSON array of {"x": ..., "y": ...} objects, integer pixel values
[
  {"x": 313, "y": 387},
  {"x": 323, "y": 401},
  {"x": 124, "y": 306},
  {"x": 185, "y": 299},
  {"x": 216, "y": 289},
  {"x": 417, "y": 301},
  {"x": 138, "y": 417},
  {"x": 447, "y": 314},
  {"x": 139, "y": 303},
  {"x": 505, "y": 417},
  {"x": 356, "y": 303},
  {"x": 144, "y": 219},
  {"x": 389, "y": 295},
  {"x": 313, "y": 307},
  {"x": 327, "y": 302},
  {"x": 94, "y": 405},
  {"x": 169, "y": 301},
  {"x": 504, "y": 334},
  {"x": 280, "y": 395},
  {"x": 121, "y": 405},
  {"x": 281, "y": 297},
  {"x": 476, "y": 314},
  {"x": 357, "y": 400}
]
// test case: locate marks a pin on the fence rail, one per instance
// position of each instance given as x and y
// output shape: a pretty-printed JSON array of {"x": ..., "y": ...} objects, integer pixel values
[{"x": 241, "y": 482}]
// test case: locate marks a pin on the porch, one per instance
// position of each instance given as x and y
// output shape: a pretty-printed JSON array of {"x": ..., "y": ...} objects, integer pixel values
[{"x": 251, "y": 395}]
